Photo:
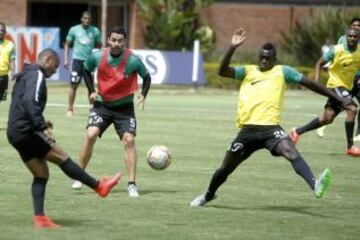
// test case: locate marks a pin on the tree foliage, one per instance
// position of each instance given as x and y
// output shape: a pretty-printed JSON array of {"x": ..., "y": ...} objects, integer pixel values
[
  {"x": 175, "y": 24},
  {"x": 305, "y": 40}
]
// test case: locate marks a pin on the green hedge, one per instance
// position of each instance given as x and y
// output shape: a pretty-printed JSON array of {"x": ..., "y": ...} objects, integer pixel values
[{"x": 215, "y": 81}]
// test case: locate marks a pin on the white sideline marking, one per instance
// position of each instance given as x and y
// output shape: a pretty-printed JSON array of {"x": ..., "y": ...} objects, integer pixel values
[
  {"x": 64, "y": 105},
  {"x": 341, "y": 115}
]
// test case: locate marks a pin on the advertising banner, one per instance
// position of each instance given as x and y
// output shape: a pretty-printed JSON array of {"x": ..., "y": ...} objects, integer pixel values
[
  {"x": 165, "y": 67},
  {"x": 29, "y": 41}
]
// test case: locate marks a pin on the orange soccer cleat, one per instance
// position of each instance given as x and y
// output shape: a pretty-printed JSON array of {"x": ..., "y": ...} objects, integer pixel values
[
  {"x": 294, "y": 136},
  {"x": 42, "y": 221},
  {"x": 106, "y": 184},
  {"x": 353, "y": 151}
]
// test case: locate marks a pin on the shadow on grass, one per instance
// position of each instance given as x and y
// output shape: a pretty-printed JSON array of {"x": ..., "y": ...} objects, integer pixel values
[
  {"x": 150, "y": 191},
  {"x": 142, "y": 192},
  {"x": 67, "y": 222},
  {"x": 327, "y": 153},
  {"x": 300, "y": 210}
]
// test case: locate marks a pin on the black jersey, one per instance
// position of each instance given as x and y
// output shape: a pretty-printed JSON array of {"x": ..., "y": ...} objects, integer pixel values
[{"x": 27, "y": 103}]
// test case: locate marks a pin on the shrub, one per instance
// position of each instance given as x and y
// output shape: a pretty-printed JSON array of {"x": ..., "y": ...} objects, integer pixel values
[
  {"x": 215, "y": 81},
  {"x": 305, "y": 40},
  {"x": 175, "y": 24}
]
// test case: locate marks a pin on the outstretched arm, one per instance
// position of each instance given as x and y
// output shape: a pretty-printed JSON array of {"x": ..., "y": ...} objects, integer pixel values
[
  {"x": 318, "y": 88},
  {"x": 224, "y": 69},
  {"x": 321, "y": 62}
]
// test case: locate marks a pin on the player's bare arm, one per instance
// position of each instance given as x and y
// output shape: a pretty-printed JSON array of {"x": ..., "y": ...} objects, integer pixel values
[
  {"x": 237, "y": 39},
  {"x": 145, "y": 89},
  {"x": 66, "y": 53},
  {"x": 141, "y": 101},
  {"x": 89, "y": 82},
  {"x": 321, "y": 62},
  {"x": 322, "y": 90},
  {"x": 50, "y": 124}
]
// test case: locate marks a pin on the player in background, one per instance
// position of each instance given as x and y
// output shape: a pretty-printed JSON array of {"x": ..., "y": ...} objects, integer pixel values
[
  {"x": 355, "y": 24},
  {"x": 7, "y": 62},
  {"x": 84, "y": 37},
  {"x": 30, "y": 134},
  {"x": 113, "y": 102},
  {"x": 345, "y": 63},
  {"x": 259, "y": 113}
]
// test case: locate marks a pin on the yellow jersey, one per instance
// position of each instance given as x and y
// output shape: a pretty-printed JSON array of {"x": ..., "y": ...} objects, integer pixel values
[
  {"x": 344, "y": 66},
  {"x": 7, "y": 53},
  {"x": 261, "y": 94}
]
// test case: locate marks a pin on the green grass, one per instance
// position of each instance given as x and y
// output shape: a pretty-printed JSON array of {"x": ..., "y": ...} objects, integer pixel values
[{"x": 262, "y": 199}]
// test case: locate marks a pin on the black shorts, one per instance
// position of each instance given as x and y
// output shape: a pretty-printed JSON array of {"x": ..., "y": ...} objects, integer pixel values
[
  {"x": 122, "y": 116},
  {"x": 4, "y": 82},
  {"x": 36, "y": 145},
  {"x": 77, "y": 68},
  {"x": 254, "y": 137},
  {"x": 356, "y": 89},
  {"x": 342, "y": 92}
]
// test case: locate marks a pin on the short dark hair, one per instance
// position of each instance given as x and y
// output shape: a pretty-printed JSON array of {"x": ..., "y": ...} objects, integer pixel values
[
  {"x": 86, "y": 13},
  {"x": 353, "y": 29},
  {"x": 269, "y": 47},
  {"x": 354, "y": 19},
  {"x": 48, "y": 51},
  {"x": 118, "y": 30},
  {"x": 3, "y": 24}
]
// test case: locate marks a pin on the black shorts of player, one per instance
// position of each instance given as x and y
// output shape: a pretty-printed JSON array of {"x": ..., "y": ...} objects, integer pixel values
[
  {"x": 36, "y": 145},
  {"x": 342, "y": 92},
  {"x": 254, "y": 137},
  {"x": 76, "y": 71},
  {"x": 123, "y": 118},
  {"x": 356, "y": 89},
  {"x": 4, "y": 82}
]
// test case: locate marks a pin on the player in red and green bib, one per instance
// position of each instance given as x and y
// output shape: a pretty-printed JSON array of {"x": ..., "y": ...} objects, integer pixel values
[
  {"x": 118, "y": 69},
  {"x": 84, "y": 38},
  {"x": 259, "y": 112}
]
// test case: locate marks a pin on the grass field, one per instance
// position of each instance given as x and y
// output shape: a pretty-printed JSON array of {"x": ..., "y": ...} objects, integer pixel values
[{"x": 263, "y": 199}]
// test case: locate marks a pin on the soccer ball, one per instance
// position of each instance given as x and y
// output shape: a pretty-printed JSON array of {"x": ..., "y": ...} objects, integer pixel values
[{"x": 158, "y": 157}]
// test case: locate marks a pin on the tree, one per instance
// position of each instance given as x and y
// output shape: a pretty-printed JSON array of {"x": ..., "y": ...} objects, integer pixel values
[
  {"x": 305, "y": 40},
  {"x": 175, "y": 24}
]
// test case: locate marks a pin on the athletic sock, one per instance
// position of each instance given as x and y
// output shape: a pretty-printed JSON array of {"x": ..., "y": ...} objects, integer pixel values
[
  {"x": 73, "y": 171},
  {"x": 38, "y": 194},
  {"x": 131, "y": 183},
  {"x": 217, "y": 180},
  {"x": 313, "y": 124},
  {"x": 349, "y": 130},
  {"x": 358, "y": 126},
  {"x": 302, "y": 169},
  {"x": 209, "y": 195}
]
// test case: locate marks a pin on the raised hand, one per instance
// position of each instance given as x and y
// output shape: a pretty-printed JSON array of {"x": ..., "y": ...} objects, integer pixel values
[{"x": 238, "y": 37}]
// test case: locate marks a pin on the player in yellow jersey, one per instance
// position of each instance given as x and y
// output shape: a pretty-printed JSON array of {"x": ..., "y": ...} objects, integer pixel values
[
  {"x": 259, "y": 113},
  {"x": 355, "y": 24},
  {"x": 345, "y": 64},
  {"x": 7, "y": 61}
]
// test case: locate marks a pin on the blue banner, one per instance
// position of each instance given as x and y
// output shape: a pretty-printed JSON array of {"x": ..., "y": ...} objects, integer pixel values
[
  {"x": 30, "y": 41},
  {"x": 165, "y": 67}
]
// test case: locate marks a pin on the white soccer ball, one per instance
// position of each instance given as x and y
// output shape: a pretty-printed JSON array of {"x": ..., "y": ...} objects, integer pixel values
[{"x": 158, "y": 157}]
